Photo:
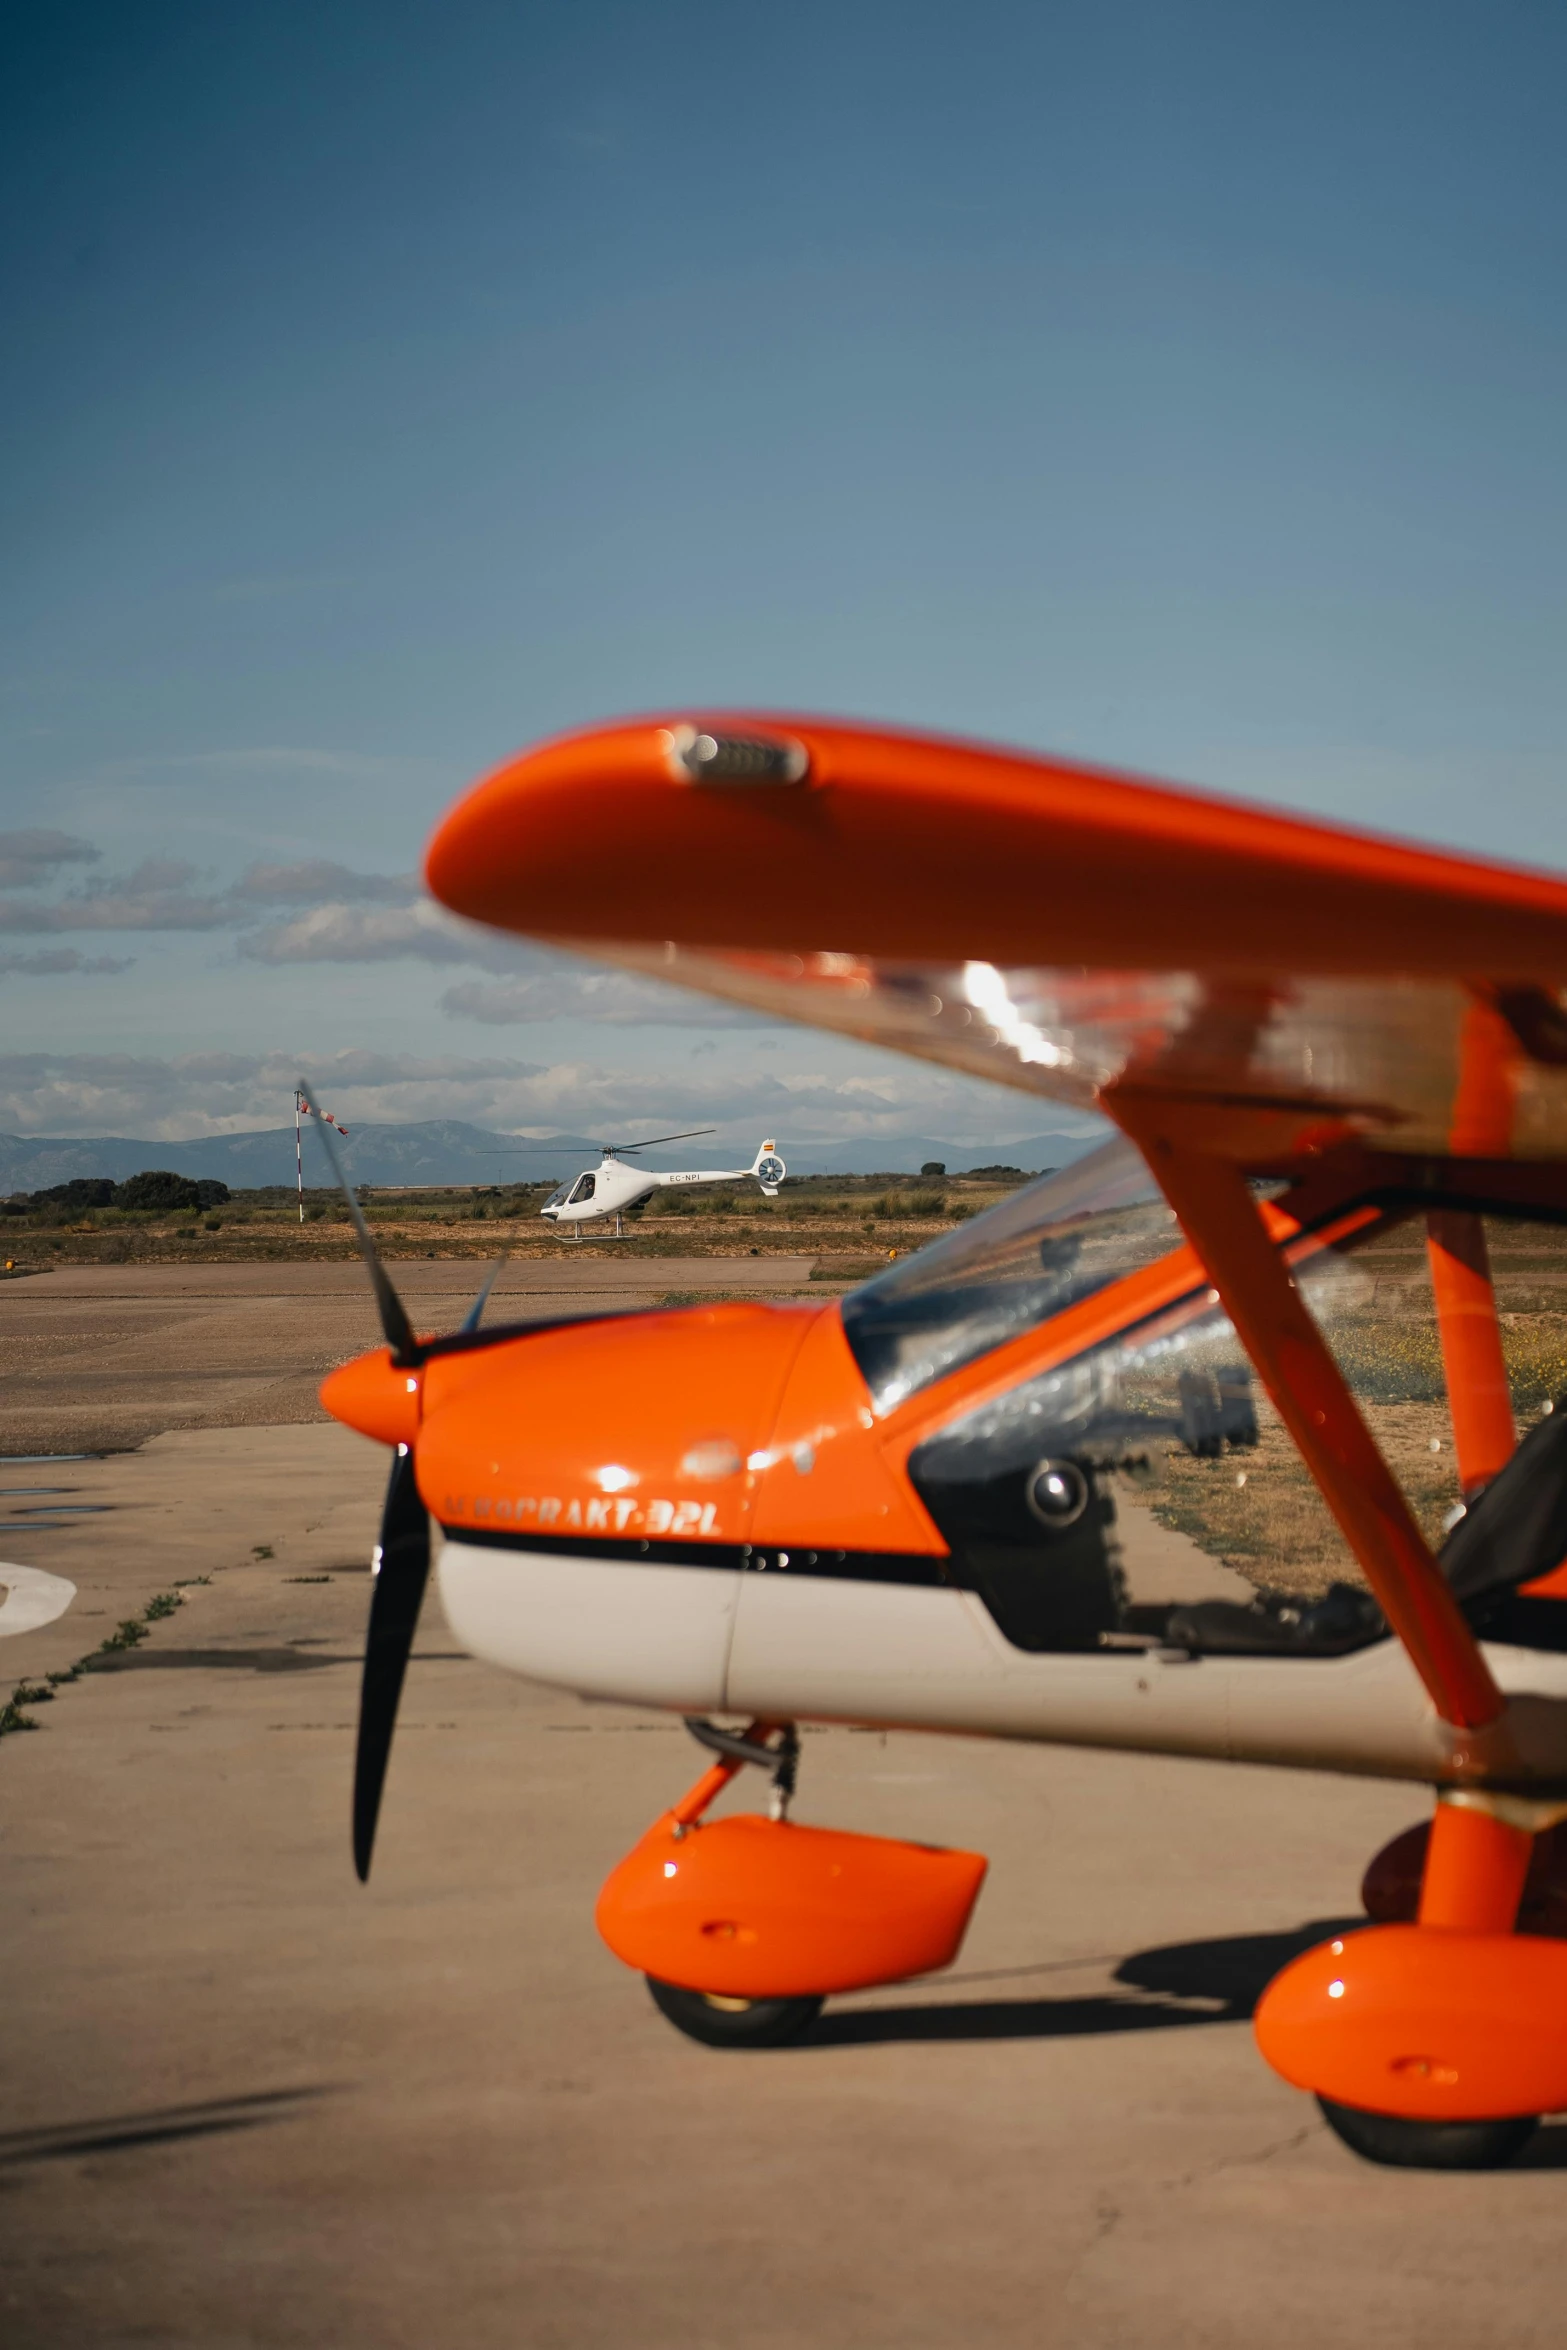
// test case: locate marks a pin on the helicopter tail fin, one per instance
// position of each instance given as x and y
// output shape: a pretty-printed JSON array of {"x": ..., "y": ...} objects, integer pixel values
[{"x": 769, "y": 1169}]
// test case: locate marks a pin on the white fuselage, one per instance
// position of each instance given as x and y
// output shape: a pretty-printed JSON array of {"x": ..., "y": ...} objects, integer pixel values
[
  {"x": 612, "y": 1187},
  {"x": 781, "y": 1646}
]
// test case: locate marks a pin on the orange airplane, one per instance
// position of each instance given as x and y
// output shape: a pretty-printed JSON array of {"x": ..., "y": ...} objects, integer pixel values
[{"x": 1208, "y": 1445}]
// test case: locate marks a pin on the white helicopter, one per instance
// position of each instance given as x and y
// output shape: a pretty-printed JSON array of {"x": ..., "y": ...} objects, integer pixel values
[{"x": 612, "y": 1187}]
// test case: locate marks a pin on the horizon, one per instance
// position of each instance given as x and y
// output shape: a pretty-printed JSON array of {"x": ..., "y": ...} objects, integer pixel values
[{"x": 454, "y": 1153}]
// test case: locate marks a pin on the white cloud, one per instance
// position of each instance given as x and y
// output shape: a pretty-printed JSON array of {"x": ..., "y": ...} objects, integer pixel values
[
  {"x": 162, "y": 894},
  {"x": 195, "y": 1094},
  {"x": 319, "y": 881},
  {"x": 28, "y": 859},
  {"x": 570, "y": 991},
  {"x": 157, "y": 896},
  {"x": 319, "y": 911},
  {"x": 337, "y": 933}
]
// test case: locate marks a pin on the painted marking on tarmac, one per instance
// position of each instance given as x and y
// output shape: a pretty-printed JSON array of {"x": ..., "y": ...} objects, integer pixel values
[{"x": 31, "y": 1598}]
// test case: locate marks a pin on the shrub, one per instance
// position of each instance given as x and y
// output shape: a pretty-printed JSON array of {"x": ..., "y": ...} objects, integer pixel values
[
  {"x": 934, "y": 1167},
  {"x": 158, "y": 1189},
  {"x": 83, "y": 1191}
]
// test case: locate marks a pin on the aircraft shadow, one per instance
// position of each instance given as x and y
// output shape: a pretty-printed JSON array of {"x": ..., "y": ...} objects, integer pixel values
[
  {"x": 1168, "y": 1989},
  {"x": 165, "y": 2125},
  {"x": 209, "y": 1660}
]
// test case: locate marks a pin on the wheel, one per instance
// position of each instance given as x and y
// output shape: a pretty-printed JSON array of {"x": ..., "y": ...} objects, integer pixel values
[
  {"x": 1409, "y": 2145},
  {"x": 734, "y": 2023}
]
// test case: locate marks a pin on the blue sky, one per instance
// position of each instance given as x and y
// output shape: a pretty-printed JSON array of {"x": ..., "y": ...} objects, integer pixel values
[{"x": 388, "y": 385}]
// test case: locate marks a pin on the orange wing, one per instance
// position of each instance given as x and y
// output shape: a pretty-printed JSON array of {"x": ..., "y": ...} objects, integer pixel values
[{"x": 1057, "y": 929}]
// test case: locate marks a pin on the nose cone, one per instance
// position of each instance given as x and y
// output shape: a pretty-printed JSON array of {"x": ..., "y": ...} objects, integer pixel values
[
  {"x": 371, "y": 1395},
  {"x": 642, "y": 1427}
]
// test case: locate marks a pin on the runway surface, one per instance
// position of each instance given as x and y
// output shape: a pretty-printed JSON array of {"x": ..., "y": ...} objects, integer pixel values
[
  {"x": 98, "y": 1356},
  {"x": 247, "y": 2102}
]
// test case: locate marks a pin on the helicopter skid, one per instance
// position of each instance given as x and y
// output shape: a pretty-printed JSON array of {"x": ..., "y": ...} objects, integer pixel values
[{"x": 805, "y": 1647}]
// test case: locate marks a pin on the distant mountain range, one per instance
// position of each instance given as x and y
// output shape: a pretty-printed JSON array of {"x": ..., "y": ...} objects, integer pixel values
[{"x": 446, "y": 1150}]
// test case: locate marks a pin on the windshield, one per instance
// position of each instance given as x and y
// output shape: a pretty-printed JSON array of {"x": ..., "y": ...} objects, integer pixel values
[
  {"x": 1146, "y": 1490},
  {"x": 556, "y": 1199},
  {"x": 1055, "y": 1241}
]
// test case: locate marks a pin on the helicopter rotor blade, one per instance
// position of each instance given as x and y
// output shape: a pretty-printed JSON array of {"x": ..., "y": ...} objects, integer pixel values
[
  {"x": 401, "y": 1572},
  {"x": 653, "y": 1139},
  {"x": 574, "y": 1150},
  {"x": 396, "y": 1327}
]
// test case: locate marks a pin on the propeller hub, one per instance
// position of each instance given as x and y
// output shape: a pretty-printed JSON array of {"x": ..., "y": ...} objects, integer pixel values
[{"x": 376, "y": 1396}]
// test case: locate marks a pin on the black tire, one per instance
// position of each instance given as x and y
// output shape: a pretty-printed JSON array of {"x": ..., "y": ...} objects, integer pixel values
[
  {"x": 734, "y": 2023},
  {"x": 1405, "y": 2145}
]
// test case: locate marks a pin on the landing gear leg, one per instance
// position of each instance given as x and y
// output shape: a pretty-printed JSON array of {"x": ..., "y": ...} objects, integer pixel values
[{"x": 715, "y": 2019}]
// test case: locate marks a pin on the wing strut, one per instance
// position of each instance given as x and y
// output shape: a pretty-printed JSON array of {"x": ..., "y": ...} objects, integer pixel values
[
  {"x": 1484, "y": 1433},
  {"x": 1220, "y": 1217}
]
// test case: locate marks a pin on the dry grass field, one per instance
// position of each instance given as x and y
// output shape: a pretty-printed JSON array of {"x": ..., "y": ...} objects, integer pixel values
[
  {"x": 851, "y": 1223},
  {"x": 1260, "y": 1513}
]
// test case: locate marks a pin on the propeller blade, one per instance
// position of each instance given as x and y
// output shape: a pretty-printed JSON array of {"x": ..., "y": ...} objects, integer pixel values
[
  {"x": 395, "y": 1325},
  {"x": 653, "y": 1139},
  {"x": 475, "y": 1313},
  {"x": 402, "y": 1570}
]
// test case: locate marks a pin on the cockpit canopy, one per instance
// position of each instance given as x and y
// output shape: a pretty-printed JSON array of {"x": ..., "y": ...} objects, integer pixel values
[
  {"x": 1047, "y": 1247},
  {"x": 1134, "y": 1485}
]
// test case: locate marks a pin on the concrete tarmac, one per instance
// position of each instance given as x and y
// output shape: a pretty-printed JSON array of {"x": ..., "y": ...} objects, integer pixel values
[
  {"x": 99, "y": 1356},
  {"x": 249, "y": 2103}
]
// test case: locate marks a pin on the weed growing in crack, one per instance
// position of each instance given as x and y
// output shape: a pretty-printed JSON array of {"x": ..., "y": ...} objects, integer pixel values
[{"x": 129, "y": 1634}]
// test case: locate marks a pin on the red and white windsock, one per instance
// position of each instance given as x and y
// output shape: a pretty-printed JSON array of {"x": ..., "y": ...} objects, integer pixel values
[{"x": 302, "y": 1108}]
